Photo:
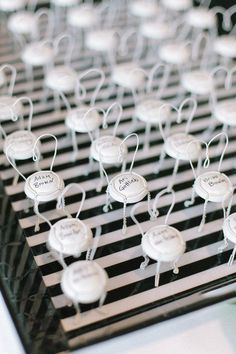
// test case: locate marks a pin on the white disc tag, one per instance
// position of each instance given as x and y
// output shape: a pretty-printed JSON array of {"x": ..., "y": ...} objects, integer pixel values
[
  {"x": 178, "y": 146},
  {"x": 180, "y": 5},
  {"x": 61, "y": 78},
  {"x": 83, "y": 16},
  {"x": 128, "y": 187},
  {"x": 7, "y": 107},
  {"x": 148, "y": 111},
  {"x": 213, "y": 186},
  {"x": 229, "y": 228},
  {"x": 75, "y": 119},
  {"x": 100, "y": 40},
  {"x": 108, "y": 149},
  {"x": 198, "y": 82},
  {"x": 84, "y": 282},
  {"x": 37, "y": 54},
  {"x": 201, "y": 18},
  {"x": 65, "y": 3},
  {"x": 128, "y": 75},
  {"x": 144, "y": 9},
  {"x": 225, "y": 46},
  {"x": 12, "y": 5},
  {"x": 70, "y": 237},
  {"x": 163, "y": 243},
  {"x": 174, "y": 53},
  {"x": 19, "y": 145},
  {"x": 225, "y": 112},
  {"x": 43, "y": 186},
  {"x": 22, "y": 23},
  {"x": 156, "y": 30}
]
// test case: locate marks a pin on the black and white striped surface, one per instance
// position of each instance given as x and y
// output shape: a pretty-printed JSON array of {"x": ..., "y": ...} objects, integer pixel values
[{"x": 132, "y": 299}]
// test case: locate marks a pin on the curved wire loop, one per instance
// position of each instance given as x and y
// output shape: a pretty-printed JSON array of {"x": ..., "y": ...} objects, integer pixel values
[
  {"x": 117, "y": 121},
  {"x": 13, "y": 77},
  {"x": 61, "y": 197},
  {"x": 69, "y": 49},
  {"x": 28, "y": 99},
  {"x": 35, "y": 150},
  {"x": 164, "y": 80},
  {"x": 80, "y": 90},
  {"x": 155, "y": 211}
]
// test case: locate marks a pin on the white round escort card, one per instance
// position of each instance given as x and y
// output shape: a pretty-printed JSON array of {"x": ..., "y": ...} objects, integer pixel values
[
  {"x": 201, "y": 18},
  {"x": 128, "y": 187},
  {"x": 108, "y": 150},
  {"x": 213, "y": 186},
  {"x": 225, "y": 46},
  {"x": 75, "y": 119},
  {"x": 70, "y": 237},
  {"x": 229, "y": 228},
  {"x": 174, "y": 53},
  {"x": 37, "y": 54},
  {"x": 163, "y": 243},
  {"x": 22, "y": 23},
  {"x": 8, "y": 106},
  {"x": 198, "y": 82},
  {"x": 43, "y": 186},
  {"x": 19, "y": 145},
  {"x": 180, "y": 5},
  {"x": 12, "y": 5},
  {"x": 148, "y": 111},
  {"x": 83, "y": 16},
  {"x": 144, "y": 8},
  {"x": 128, "y": 75},
  {"x": 64, "y": 3},
  {"x": 62, "y": 78},
  {"x": 225, "y": 112},
  {"x": 157, "y": 30},
  {"x": 178, "y": 146},
  {"x": 84, "y": 282},
  {"x": 100, "y": 40}
]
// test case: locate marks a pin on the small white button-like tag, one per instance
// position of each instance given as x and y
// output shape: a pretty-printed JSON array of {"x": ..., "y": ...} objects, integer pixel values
[
  {"x": 108, "y": 149},
  {"x": 180, "y": 5},
  {"x": 229, "y": 228},
  {"x": 174, "y": 53},
  {"x": 7, "y": 104},
  {"x": 12, "y": 5},
  {"x": 100, "y": 40},
  {"x": 65, "y": 3},
  {"x": 128, "y": 187},
  {"x": 43, "y": 186},
  {"x": 214, "y": 186},
  {"x": 128, "y": 75},
  {"x": 156, "y": 30},
  {"x": 178, "y": 146},
  {"x": 163, "y": 243},
  {"x": 201, "y": 18},
  {"x": 22, "y": 23},
  {"x": 83, "y": 16},
  {"x": 225, "y": 46},
  {"x": 37, "y": 54},
  {"x": 199, "y": 82},
  {"x": 84, "y": 282},
  {"x": 19, "y": 145},
  {"x": 225, "y": 112},
  {"x": 61, "y": 78},
  {"x": 75, "y": 119},
  {"x": 70, "y": 237},
  {"x": 145, "y": 9},
  {"x": 148, "y": 110}
]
